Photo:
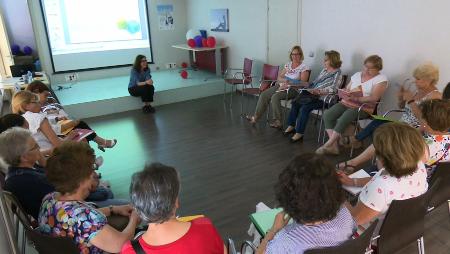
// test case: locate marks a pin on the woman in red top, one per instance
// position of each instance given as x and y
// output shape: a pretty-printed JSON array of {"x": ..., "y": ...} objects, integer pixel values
[{"x": 154, "y": 195}]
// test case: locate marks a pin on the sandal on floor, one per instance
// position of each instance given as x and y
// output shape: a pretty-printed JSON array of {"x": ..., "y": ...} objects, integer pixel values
[
  {"x": 276, "y": 125},
  {"x": 286, "y": 132},
  {"x": 293, "y": 139},
  {"x": 107, "y": 144},
  {"x": 251, "y": 119},
  {"x": 345, "y": 167}
]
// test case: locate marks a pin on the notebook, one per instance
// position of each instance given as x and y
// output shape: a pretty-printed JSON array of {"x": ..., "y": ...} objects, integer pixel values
[
  {"x": 263, "y": 220},
  {"x": 189, "y": 218},
  {"x": 358, "y": 174},
  {"x": 81, "y": 134},
  {"x": 378, "y": 117},
  {"x": 345, "y": 94}
]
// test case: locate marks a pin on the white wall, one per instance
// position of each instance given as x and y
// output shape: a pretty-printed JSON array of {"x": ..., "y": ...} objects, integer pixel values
[
  {"x": 404, "y": 33},
  {"x": 18, "y": 22},
  {"x": 161, "y": 41},
  {"x": 247, "y": 23}
]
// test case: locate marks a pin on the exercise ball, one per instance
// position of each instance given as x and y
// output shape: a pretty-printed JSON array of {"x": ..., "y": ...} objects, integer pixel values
[
  {"x": 191, "y": 33},
  {"x": 184, "y": 74},
  {"x": 191, "y": 43},
  {"x": 27, "y": 50},
  {"x": 204, "y": 42},
  {"x": 211, "y": 42},
  {"x": 15, "y": 49},
  {"x": 184, "y": 65},
  {"x": 198, "y": 41}
]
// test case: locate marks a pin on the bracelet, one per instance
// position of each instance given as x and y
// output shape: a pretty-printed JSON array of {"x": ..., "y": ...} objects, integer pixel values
[
  {"x": 111, "y": 210},
  {"x": 410, "y": 101}
]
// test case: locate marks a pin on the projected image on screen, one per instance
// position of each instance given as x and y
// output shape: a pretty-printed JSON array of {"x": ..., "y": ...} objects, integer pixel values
[{"x": 85, "y": 34}]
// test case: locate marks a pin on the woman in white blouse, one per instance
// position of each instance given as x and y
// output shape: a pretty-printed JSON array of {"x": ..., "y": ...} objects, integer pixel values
[
  {"x": 402, "y": 174},
  {"x": 368, "y": 87},
  {"x": 27, "y": 104}
]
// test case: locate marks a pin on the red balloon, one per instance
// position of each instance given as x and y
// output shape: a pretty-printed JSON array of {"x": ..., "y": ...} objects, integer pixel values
[
  {"x": 211, "y": 42},
  {"x": 184, "y": 65},
  {"x": 204, "y": 42},
  {"x": 191, "y": 43},
  {"x": 184, "y": 74}
]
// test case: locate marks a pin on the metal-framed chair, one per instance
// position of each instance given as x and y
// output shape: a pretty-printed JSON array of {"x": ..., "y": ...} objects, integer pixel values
[
  {"x": 246, "y": 247},
  {"x": 239, "y": 77},
  {"x": 44, "y": 244},
  {"x": 401, "y": 228},
  {"x": 442, "y": 193},
  {"x": 357, "y": 245},
  {"x": 268, "y": 79}
]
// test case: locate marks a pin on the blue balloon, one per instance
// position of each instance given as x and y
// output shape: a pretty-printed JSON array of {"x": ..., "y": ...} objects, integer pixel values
[
  {"x": 133, "y": 26},
  {"x": 198, "y": 41},
  {"x": 15, "y": 49},
  {"x": 27, "y": 50}
]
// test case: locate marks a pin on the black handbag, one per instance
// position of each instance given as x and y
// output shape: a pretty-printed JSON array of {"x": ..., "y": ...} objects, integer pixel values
[{"x": 305, "y": 97}]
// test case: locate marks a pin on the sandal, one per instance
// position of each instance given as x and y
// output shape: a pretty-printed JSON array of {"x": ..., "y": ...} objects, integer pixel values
[
  {"x": 296, "y": 137},
  {"x": 251, "y": 119},
  {"x": 107, "y": 144},
  {"x": 289, "y": 130},
  {"x": 276, "y": 125}
]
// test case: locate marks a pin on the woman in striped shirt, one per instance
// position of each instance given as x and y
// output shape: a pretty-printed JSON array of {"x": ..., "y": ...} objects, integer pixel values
[
  {"x": 310, "y": 193},
  {"x": 326, "y": 83}
]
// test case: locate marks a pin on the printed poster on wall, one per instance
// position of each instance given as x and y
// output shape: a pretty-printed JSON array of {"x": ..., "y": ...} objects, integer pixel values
[
  {"x": 219, "y": 20},
  {"x": 165, "y": 16}
]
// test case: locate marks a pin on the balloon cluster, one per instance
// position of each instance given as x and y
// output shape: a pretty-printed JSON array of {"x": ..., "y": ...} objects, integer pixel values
[
  {"x": 15, "y": 50},
  {"x": 194, "y": 40}
]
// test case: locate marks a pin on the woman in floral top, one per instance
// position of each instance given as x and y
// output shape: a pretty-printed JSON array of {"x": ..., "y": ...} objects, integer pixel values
[{"x": 65, "y": 214}]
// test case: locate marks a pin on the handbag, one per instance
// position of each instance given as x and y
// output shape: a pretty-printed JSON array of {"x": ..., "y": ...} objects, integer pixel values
[{"x": 305, "y": 97}]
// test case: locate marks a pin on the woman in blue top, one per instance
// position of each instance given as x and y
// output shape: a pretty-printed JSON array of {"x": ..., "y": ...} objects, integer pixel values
[{"x": 141, "y": 83}]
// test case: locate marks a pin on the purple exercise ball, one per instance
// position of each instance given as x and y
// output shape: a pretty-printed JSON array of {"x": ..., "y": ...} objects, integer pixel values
[
  {"x": 198, "y": 41},
  {"x": 27, "y": 50},
  {"x": 15, "y": 49}
]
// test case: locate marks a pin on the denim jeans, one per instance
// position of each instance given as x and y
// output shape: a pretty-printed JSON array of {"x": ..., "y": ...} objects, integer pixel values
[
  {"x": 370, "y": 129},
  {"x": 299, "y": 114}
]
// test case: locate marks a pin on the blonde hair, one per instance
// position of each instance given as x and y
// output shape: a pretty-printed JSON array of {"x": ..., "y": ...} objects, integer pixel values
[
  {"x": 436, "y": 113},
  {"x": 21, "y": 99},
  {"x": 427, "y": 71},
  {"x": 376, "y": 60},
  {"x": 300, "y": 51},
  {"x": 400, "y": 147},
  {"x": 335, "y": 58}
]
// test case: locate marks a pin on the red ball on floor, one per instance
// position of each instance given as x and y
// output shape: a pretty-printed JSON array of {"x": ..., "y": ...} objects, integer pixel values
[{"x": 184, "y": 74}]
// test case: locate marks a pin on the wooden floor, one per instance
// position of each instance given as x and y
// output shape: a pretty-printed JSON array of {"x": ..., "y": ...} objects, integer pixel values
[{"x": 226, "y": 165}]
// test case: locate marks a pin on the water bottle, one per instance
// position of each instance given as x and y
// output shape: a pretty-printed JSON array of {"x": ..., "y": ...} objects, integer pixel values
[{"x": 29, "y": 77}]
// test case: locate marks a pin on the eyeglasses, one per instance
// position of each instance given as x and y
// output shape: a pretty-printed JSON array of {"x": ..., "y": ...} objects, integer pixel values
[
  {"x": 35, "y": 147},
  {"x": 371, "y": 68},
  {"x": 296, "y": 54},
  {"x": 143, "y": 60}
]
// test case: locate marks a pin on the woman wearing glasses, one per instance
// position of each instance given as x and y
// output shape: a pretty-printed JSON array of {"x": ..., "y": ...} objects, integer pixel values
[
  {"x": 367, "y": 86},
  {"x": 294, "y": 72},
  {"x": 141, "y": 83}
]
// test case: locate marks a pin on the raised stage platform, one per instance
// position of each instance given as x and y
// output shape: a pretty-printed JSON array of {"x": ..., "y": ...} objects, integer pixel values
[{"x": 110, "y": 95}]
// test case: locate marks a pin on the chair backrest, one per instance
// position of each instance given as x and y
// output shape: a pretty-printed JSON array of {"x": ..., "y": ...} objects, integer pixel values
[
  {"x": 44, "y": 244},
  {"x": 2, "y": 179},
  {"x": 231, "y": 247},
  {"x": 404, "y": 222},
  {"x": 357, "y": 245},
  {"x": 248, "y": 63},
  {"x": 270, "y": 72},
  {"x": 442, "y": 193},
  {"x": 343, "y": 81}
]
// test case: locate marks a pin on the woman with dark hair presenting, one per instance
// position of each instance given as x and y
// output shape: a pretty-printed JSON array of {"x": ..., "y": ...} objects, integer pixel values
[{"x": 141, "y": 83}]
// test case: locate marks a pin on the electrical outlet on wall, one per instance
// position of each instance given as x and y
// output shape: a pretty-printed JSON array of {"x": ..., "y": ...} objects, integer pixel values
[
  {"x": 72, "y": 77},
  {"x": 171, "y": 65}
]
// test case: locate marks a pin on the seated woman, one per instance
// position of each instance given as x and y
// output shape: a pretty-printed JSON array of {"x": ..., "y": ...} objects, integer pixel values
[
  {"x": 326, "y": 83},
  {"x": 310, "y": 193},
  {"x": 64, "y": 213},
  {"x": 426, "y": 77},
  {"x": 293, "y": 72},
  {"x": 27, "y": 104},
  {"x": 55, "y": 113},
  {"x": 154, "y": 194},
  {"x": 141, "y": 83},
  {"x": 402, "y": 174},
  {"x": 24, "y": 178},
  {"x": 372, "y": 84},
  {"x": 446, "y": 92},
  {"x": 12, "y": 120}
]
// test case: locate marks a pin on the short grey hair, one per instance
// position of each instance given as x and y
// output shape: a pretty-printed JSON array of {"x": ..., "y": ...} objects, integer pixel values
[
  {"x": 13, "y": 144},
  {"x": 154, "y": 191}
]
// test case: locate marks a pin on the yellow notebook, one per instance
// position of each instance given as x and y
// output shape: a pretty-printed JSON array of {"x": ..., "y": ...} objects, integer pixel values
[{"x": 189, "y": 218}]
